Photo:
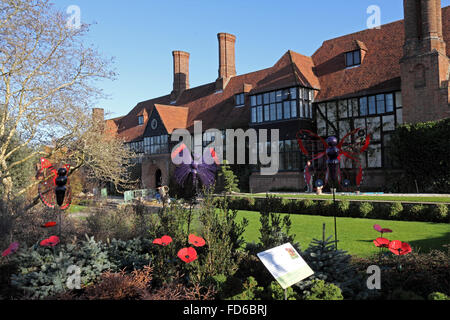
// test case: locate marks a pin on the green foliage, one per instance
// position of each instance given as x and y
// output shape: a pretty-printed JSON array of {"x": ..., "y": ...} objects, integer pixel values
[
  {"x": 250, "y": 291},
  {"x": 365, "y": 209},
  {"x": 230, "y": 180},
  {"x": 343, "y": 208},
  {"x": 276, "y": 292},
  {"x": 224, "y": 238},
  {"x": 423, "y": 151},
  {"x": 332, "y": 266},
  {"x": 274, "y": 231},
  {"x": 42, "y": 272},
  {"x": 395, "y": 210},
  {"x": 439, "y": 213},
  {"x": 418, "y": 212},
  {"x": 321, "y": 290},
  {"x": 129, "y": 255},
  {"x": 438, "y": 296}
]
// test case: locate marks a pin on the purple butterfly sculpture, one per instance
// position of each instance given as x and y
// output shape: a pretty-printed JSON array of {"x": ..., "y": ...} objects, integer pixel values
[{"x": 201, "y": 169}]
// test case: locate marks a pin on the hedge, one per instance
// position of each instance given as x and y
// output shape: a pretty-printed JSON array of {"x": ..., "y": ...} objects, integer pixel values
[{"x": 370, "y": 210}]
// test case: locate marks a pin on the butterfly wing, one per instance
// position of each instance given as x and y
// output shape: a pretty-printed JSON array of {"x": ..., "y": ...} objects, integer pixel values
[
  {"x": 47, "y": 175},
  {"x": 181, "y": 155},
  {"x": 312, "y": 145},
  {"x": 207, "y": 174}
]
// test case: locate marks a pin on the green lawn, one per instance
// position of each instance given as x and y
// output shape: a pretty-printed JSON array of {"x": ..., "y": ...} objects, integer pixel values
[
  {"x": 387, "y": 198},
  {"x": 356, "y": 235},
  {"x": 76, "y": 208}
]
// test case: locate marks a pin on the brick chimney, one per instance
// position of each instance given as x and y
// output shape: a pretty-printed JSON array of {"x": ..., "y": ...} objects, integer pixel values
[
  {"x": 227, "y": 61},
  {"x": 180, "y": 73},
  {"x": 425, "y": 64}
]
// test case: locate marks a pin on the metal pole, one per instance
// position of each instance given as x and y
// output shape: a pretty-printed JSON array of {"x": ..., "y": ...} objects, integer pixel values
[{"x": 335, "y": 222}]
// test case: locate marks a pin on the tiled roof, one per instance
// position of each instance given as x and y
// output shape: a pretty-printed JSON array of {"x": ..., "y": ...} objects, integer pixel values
[
  {"x": 172, "y": 117},
  {"x": 325, "y": 71}
]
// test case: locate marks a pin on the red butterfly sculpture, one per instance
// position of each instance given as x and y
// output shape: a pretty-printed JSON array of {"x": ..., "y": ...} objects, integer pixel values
[
  {"x": 47, "y": 175},
  {"x": 348, "y": 149}
]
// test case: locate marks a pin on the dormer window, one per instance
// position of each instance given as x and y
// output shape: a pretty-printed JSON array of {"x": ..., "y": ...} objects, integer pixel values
[
  {"x": 240, "y": 100},
  {"x": 353, "y": 58},
  {"x": 141, "y": 120}
]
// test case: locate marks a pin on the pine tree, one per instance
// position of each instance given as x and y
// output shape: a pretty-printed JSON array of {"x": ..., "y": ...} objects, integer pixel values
[
  {"x": 230, "y": 179},
  {"x": 332, "y": 266}
]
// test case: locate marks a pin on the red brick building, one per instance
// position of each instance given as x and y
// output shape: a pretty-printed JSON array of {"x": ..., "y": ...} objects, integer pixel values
[{"x": 375, "y": 79}]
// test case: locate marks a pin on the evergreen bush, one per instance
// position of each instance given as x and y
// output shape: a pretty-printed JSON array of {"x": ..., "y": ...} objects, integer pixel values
[
  {"x": 321, "y": 290},
  {"x": 365, "y": 209},
  {"x": 395, "y": 210}
]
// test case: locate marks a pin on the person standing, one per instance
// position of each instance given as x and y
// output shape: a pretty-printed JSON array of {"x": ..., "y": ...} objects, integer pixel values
[{"x": 309, "y": 174}]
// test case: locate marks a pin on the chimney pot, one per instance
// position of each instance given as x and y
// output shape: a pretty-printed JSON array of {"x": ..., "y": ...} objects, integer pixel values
[{"x": 227, "y": 60}]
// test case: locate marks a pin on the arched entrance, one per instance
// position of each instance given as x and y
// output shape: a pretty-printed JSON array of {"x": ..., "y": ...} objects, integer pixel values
[{"x": 158, "y": 178}]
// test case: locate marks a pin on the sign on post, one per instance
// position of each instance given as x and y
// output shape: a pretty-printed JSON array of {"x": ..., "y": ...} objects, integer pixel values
[{"x": 286, "y": 265}]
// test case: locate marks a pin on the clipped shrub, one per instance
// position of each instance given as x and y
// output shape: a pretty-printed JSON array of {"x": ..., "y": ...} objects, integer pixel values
[
  {"x": 439, "y": 213},
  {"x": 321, "y": 290},
  {"x": 417, "y": 212},
  {"x": 343, "y": 208},
  {"x": 438, "y": 296},
  {"x": 395, "y": 210},
  {"x": 365, "y": 209},
  {"x": 309, "y": 206},
  {"x": 326, "y": 208}
]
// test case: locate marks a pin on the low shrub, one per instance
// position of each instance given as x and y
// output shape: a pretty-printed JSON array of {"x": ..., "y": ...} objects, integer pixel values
[
  {"x": 439, "y": 213},
  {"x": 438, "y": 296},
  {"x": 418, "y": 212},
  {"x": 343, "y": 208},
  {"x": 321, "y": 290},
  {"x": 400, "y": 294},
  {"x": 42, "y": 272},
  {"x": 395, "y": 211},
  {"x": 365, "y": 209}
]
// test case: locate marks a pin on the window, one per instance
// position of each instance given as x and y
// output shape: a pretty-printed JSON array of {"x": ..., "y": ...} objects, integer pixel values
[
  {"x": 381, "y": 106},
  {"x": 353, "y": 58},
  {"x": 281, "y": 105},
  {"x": 260, "y": 114},
  {"x": 363, "y": 106},
  {"x": 156, "y": 145},
  {"x": 240, "y": 99},
  {"x": 372, "y": 105},
  {"x": 141, "y": 120},
  {"x": 390, "y": 102},
  {"x": 137, "y": 147}
]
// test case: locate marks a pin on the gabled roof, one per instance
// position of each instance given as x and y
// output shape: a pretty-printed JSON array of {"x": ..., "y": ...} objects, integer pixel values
[{"x": 172, "y": 117}]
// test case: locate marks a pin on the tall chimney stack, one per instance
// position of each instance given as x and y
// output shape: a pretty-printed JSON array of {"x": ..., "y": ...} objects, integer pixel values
[
  {"x": 227, "y": 61},
  {"x": 180, "y": 73}
]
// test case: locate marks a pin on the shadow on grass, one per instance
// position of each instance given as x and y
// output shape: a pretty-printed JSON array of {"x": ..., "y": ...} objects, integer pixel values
[{"x": 426, "y": 245}]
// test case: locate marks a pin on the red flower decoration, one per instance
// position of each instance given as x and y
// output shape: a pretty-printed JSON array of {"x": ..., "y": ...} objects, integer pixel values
[
  {"x": 49, "y": 225},
  {"x": 378, "y": 228},
  {"x": 196, "y": 241},
  {"x": 50, "y": 242},
  {"x": 7, "y": 252},
  {"x": 399, "y": 248},
  {"x": 164, "y": 241},
  {"x": 187, "y": 255},
  {"x": 13, "y": 247},
  {"x": 381, "y": 242}
]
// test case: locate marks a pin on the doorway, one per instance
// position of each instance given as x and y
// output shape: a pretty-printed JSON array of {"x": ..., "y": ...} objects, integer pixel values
[{"x": 158, "y": 178}]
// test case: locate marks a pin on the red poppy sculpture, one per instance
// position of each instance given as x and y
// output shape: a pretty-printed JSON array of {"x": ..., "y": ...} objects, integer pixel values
[
  {"x": 188, "y": 255},
  {"x": 163, "y": 241},
  {"x": 399, "y": 248},
  {"x": 196, "y": 241},
  {"x": 50, "y": 242},
  {"x": 381, "y": 242}
]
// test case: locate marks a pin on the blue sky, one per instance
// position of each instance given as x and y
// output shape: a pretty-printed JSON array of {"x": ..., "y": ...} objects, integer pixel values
[{"x": 141, "y": 35}]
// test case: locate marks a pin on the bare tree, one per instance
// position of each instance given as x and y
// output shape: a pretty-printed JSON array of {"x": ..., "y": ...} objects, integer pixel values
[{"x": 47, "y": 89}]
